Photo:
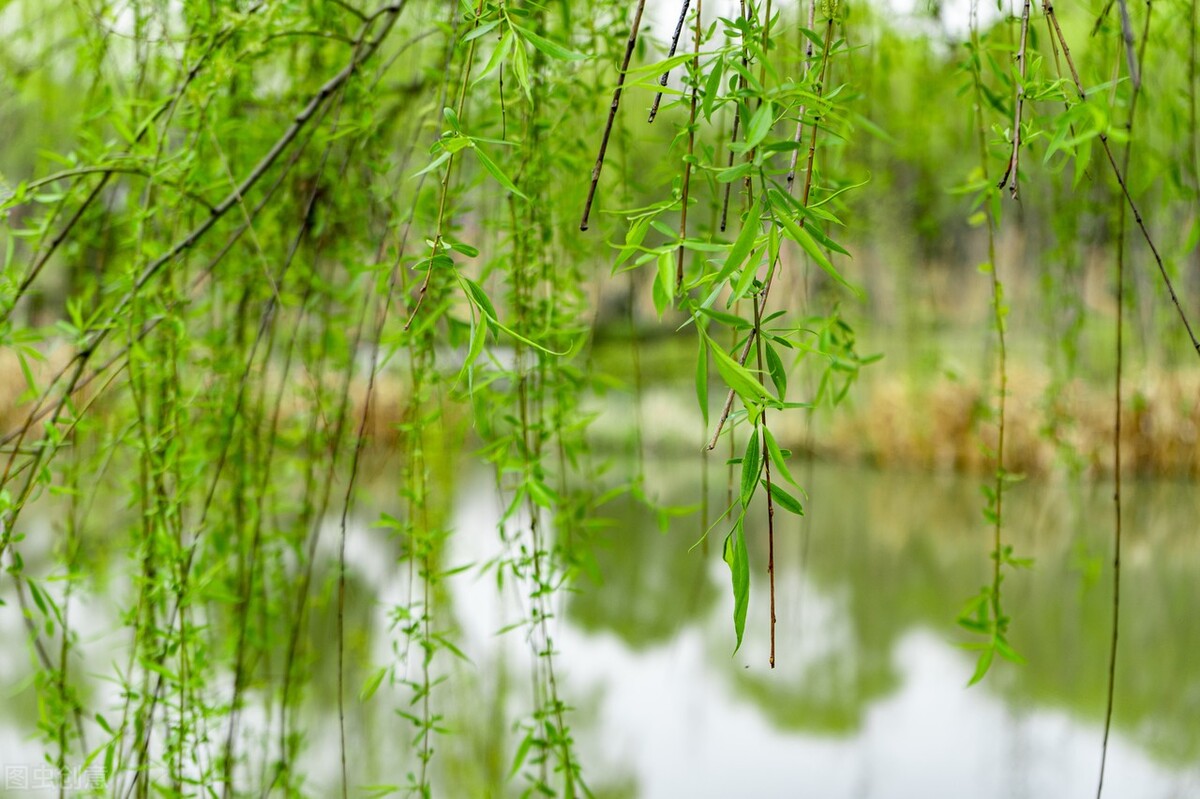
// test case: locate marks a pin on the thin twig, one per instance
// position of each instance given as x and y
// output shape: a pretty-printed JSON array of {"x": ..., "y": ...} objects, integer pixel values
[
  {"x": 737, "y": 117},
  {"x": 808, "y": 54},
  {"x": 612, "y": 113},
  {"x": 662, "y": 81},
  {"x": 1127, "y": 34},
  {"x": 766, "y": 452},
  {"x": 1014, "y": 162},
  {"x": 1101, "y": 17},
  {"x": 445, "y": 192},
  {"x": 1116, "y": 600},
  {"x": 1117, "y": 402},
  {"x": 691, "y": 149}
]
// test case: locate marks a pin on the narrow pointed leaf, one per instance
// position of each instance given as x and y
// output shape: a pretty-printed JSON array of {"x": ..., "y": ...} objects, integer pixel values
[
  {"x": 785, "y": 500},
  {"x": 738, "y": 560},
  {"x": 502, "y": 178},
  {"x": 738, "y": 377},
  {"x": 751, "y": 467}
]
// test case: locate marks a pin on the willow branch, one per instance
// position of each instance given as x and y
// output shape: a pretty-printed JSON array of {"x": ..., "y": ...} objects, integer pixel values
[
  {"x": 762, "y": 298},
  {"x": 612, "y": 113},
  {"x": 1117, "y": 401},
  {"x": 691, "y": 149},
  {"x": 106, "y": 173},
  {"x": 78, "y": 363},
  {"x": 1014, "y": 161},
  {"x": 662, "y": 81},
  {"x": 1118, "y": 173},
  {"x": 808, "y": 54}
]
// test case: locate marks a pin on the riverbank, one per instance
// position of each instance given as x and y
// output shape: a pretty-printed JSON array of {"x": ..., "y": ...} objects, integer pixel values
[
  {"x": 949, "y": 424},
  {"x": 937, "y": 423}
]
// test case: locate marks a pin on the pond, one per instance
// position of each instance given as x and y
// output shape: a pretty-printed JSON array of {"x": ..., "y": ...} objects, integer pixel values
[{"x": 869, "y": 698}]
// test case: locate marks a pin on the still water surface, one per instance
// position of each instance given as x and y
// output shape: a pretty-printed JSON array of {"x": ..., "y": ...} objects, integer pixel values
[{"x": 869, "y": 697}]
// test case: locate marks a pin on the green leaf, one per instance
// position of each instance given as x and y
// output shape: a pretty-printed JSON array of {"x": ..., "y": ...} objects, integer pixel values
[
  {"x": 520, "y": 755},
  {"x": 777, "y": 371},
  {"x": 664, "y": 282},
  {"x": 737, "y": 172},
  {"x": 502, "y": 178},
  {"x": 434, "y": 164},
  {"x": 552, "y": 49},
  {"x": 479, "y": 297},
  {"x": 481, "y": 30},
  {"x": 461, "y": 247},
  {"x": 778, "y": 459},
  {"x": 737, "y": 377},
  {"x": 741, "y": 248},
  {"x": 728, "y": 319},
  {"x": 31, "y": 388},
  {"x": 982, "y": 665},
  {"x": 801, "y": 236},
  {"x": 633, "y": 240},
  {"x": 479, "y": 331},
  {"x": 751, "y": 468},
  {"x": 738, "y": 559},
  {"x": 372, "y": 684},
  {"x": 712, "y": 88},
  {"x": 508, "y": 330},
  {"x": 785, "y": 500},
  {"x": 500, "y": 53},
  {"x": 666, "y": 65},
  {"x": 760, "y": 126},
  {"x": 702, "y": 380},
  {"x": 520, "y": 68},
  {"x": 744, "y": 282},
  {"x": 1005, "y": 650},
  {"x": 751, "y": 79}
]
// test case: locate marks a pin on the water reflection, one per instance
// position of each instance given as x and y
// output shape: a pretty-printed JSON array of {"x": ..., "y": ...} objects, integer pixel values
[{"x": 869, "y": 697}]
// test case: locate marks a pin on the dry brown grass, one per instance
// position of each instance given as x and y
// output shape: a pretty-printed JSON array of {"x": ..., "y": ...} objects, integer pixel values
[
  {"x": 939, "y": 425},
  {"x": 387, "y": 408},
  {"x": 945, "y": 425},
  {"x": 14, "y": 387}
]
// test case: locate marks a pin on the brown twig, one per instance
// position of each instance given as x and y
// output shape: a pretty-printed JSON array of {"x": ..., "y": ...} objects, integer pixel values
[
  {"x": 662, "y": 81},
  {"x": 1116, "y": 602},
  {"x": 1127, "y": 36},
  {"x": 766, "y": 454},
  {"x": 612, "y": 113},
  {"x": 1014, "y": 162},
  {"x": 691, "y": 150},
  {"x": 1101, "y": 17},
  {"x": 808, "y": 54},
  {"x": 736, "y": 124}
]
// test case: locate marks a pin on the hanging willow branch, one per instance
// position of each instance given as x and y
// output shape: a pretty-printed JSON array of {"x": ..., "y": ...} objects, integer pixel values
[
  {"x": 77, "y": 366},
  {"x": 1134, "y": 61},
  {"x": 762, "y": 297},
  {"x": 691, "y": 147},
  {"x": 1014, "y": 162},
  {"x": 1119, "y": 174},
  {"x": 662, "y": 81},
  {"x": 612, "y": 113}
]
